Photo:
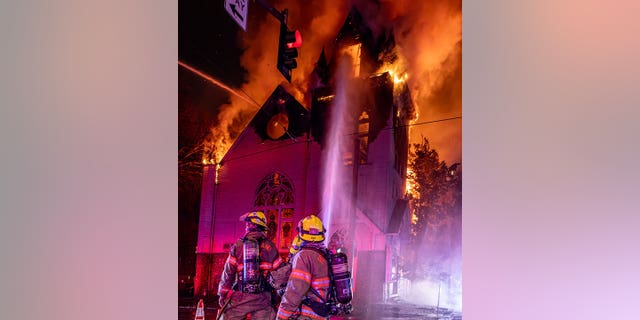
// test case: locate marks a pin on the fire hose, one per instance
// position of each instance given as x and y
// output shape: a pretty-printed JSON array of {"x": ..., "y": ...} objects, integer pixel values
[{"x": 224, "y": 307}]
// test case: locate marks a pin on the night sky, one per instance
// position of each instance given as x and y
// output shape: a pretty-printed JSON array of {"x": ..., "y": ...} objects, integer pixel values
[{"x": 208, "y": 42}]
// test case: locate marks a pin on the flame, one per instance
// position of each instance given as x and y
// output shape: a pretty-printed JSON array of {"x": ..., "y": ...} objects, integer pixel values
[
  {"x": 217, "y": 172},
  {"x": 398, "y": 78},
  {"x": 216, "y": 146},
  {"x": 354, "y": 52},
  {"x": 414, "y": 218},
  {"x": 429, "y": 61},
  {"x": 321, "y": 19},
  {"x": 214, "y": 160},
  {"x": 396, "y": 71},
  {"x": 410, "y": 184}
]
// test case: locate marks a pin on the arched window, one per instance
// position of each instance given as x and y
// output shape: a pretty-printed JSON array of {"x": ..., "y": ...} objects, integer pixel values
[{"x": 275, "y": 196}]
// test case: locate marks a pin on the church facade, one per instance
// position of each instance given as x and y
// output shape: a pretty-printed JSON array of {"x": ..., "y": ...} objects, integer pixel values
[{"x": 291, "y": 161}]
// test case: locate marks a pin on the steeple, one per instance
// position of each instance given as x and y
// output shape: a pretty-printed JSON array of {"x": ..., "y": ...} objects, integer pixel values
[
  {"x": 322, "y": 68},
  {"x": 352, "y": 30}
]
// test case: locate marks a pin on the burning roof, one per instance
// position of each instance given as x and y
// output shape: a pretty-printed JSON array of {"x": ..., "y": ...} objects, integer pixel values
[{"x": 417, "y": 42}]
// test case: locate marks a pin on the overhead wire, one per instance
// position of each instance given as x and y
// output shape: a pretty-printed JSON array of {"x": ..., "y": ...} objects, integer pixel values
[
  {"x": 389, "y": 128},
  {"x": 250, "y": 100}
]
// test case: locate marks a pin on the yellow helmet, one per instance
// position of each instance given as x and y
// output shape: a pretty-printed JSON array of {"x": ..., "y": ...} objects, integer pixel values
[
  {"x": 295, "y": 245},
  {"x": 311, "y": 229},
  {"x": 256, "y": 217}
]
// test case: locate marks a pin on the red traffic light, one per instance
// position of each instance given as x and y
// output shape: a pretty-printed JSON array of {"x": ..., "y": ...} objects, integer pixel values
[
  {"x": 298, "y": 41},
  {"x": 288, "y": 43}
]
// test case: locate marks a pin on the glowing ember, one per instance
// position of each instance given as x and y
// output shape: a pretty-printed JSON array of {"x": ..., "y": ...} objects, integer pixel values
[
  {"x": 217, "y": 172},
  {"x": 414, "y": 218},
  {"x": 410, "y": 184}
]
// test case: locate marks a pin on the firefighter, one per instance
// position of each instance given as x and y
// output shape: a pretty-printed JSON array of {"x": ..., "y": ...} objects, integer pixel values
[
  {"x": 309, "y": 280},
  {"x": 279, "y": 277},
  {"x": 243, "y": 278},
  {"x": 295, "y": 246}
]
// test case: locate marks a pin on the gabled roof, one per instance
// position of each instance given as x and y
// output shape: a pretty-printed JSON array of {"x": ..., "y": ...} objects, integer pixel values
[
  {"x": 281, "y": 101},
  {"x": 353, "y": 29},
  {"x": 322, "y": 69}
]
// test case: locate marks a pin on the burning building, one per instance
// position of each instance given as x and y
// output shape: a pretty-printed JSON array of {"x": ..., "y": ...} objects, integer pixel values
[{"x": 343, "y": 158}]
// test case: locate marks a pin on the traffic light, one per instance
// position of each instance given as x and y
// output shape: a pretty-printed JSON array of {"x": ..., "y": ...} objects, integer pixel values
[{"x": 287, "y": 52}]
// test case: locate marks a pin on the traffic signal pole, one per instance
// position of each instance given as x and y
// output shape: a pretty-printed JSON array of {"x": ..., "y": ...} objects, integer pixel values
[
  {"x": 288, "y": 41},
  {"x": 281, "y": 16}
]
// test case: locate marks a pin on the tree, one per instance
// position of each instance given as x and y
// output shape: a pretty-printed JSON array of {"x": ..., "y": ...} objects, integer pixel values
[
  {"x": 194, "y": 124},
  {"x": 435, "y": 208}
]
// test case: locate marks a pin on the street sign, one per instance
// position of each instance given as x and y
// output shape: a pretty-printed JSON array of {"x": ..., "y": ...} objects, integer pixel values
[{"x": 238, "y": 9}]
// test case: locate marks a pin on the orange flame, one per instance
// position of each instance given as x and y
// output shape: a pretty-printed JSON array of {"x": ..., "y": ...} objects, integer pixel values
[
  {"x": 396, "y": 71},
  {"x": 429, "y": 63},
  {"x": 410, "y": 184}
]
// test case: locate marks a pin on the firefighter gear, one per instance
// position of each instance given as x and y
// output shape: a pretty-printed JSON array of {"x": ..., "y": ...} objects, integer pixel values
[
  {"x": 311, "y": 229},
  {"x": 279, "y": 277},
  {"x": 341, "y": 278},
  {"x": 309, "y": 279},
  {"x": 295, "y": 246},
  {"x": 244, "y": 298}
]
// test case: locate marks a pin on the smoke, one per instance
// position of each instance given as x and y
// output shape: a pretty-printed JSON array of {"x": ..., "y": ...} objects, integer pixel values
[
  {"x": 441, "y": 262},
  {"x": 445, "y": 292},
  {"x": 318, "y": 21},
  {"x": 428, "y": 35}
]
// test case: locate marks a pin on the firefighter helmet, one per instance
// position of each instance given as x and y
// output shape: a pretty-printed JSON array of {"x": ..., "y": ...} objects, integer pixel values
[
  {"x": 256, "y": 217},
  {"x": 295, "y": 245},
  {"x": 311, "y": 229}
]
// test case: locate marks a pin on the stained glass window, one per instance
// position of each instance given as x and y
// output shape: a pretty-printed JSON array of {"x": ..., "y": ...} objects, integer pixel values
[{"x": 275, "y": 197}]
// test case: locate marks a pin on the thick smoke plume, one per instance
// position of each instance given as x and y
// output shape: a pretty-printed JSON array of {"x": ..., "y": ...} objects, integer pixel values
[{"x": 428, "y": 35}]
